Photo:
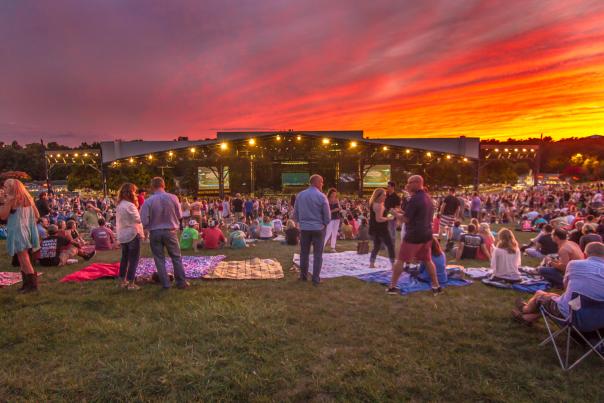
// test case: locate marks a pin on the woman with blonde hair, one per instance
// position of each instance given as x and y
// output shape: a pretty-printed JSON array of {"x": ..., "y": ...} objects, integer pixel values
[
  {"x": 129, "y": 234},
  {"x": 378, "y": 226},
  {"x": 484, "y": 230},
  {"x": 331, "y": 232},
  {"x": 18, "y": 208},
  {"x": 505, "y": 259}
]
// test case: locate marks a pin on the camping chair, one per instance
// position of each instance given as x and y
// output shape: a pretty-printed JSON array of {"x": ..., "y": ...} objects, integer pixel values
[{"x": 584, "y": 325}]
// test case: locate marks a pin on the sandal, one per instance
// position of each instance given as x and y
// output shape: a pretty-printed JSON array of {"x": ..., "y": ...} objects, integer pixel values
[{"x": 518, "y": 317}]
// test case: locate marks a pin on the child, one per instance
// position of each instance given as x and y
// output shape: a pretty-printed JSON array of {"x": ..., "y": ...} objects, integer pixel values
[
  {"x": 346, "y": 229},
  {"x": 456, "y": 233},
  {"x": 277, "y": 225},
  {"x": 237, "y": 238},
  {"x": 189, "y": 235},
  {"x": 292, "y": 234},
  {"x": 265, "y": 231}
]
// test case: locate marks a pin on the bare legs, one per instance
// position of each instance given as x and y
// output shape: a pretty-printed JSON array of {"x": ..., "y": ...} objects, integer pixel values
[{"x": 25, "y": 262}]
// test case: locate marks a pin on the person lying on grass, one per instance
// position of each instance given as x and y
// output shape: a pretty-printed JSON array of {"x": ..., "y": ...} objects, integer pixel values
[{"x": 585, "y": 277}]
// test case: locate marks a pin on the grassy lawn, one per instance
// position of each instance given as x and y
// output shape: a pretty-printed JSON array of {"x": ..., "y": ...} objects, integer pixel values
[{"x": 274, "y": 341}]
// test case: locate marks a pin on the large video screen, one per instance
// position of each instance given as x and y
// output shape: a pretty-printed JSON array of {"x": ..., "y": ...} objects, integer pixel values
[
  {"x": 208, "y": 180},
  {"x": 377, "y": 176},
  {"x": 294, "y": 178}
]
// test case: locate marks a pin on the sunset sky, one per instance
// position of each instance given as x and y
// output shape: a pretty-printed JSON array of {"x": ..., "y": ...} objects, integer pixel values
[{"x": 87, "y": 70}]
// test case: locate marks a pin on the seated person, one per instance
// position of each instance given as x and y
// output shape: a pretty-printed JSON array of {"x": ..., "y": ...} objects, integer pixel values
[
  {"x": 54, "y": 249},
  {"x": 254, "y": 229},
  {"x": 539, "y": 222},
  {"x": 543, "y": 245},
  {"x": 241, "y": 222},
  {"x": 355, "y": 225},
  {"x": 440, "y": 262},
  {"x": 277, "y": 225},
  {"x": 364, "y": 230},
  {"x": 553, "y": 270},
  {"x": 104, "y": 238},
  {"x": 292, "y": 233},
  {"x": 212, "y": 237},
  {"x": 42, "y": 227},
  {"x": 585, "y": 277},
  {"x": 506, "y": 257},
  {"x": 526, "y": 225},
  {"x": 576, "y": 234},
  {"x": 484, "y": 230},
  {"x": 189, "y": 235},
  {"x": 237, "y": 238},
  {"x": 346, "y": 229},
  {"x": 265, "y": 230},
  {"x": 589, "y": 235},
  {"x": 469, "y": 244}
]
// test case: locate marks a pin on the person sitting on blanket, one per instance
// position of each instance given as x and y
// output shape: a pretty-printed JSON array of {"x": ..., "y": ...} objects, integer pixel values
[
  {"x": 506, "y": 257},
  {"x": 440, "y": 261},
  {"x": 292, "y": 233},
  {"x": 54, "y": 249},
  {"x": 237, "y": 238},
  {"x": 42, "y": 227},
  {"x": 585, "y": 277},
  {"x": 589, "y": 236},
  {"x": 543, "y": 245},
  {"x": 277, "y": 225},
  {"x": 189, "y": 235},
  {"x": 104, "y": 238},
  {"x": 469, "y": 244},
  {"x": 265, "y": 231},
  {"x": 553, "y": 269},
  {"x": 484, "y": 230},
  {"x": 254, "y": 227},
  {"x": 212, "y": 237}
]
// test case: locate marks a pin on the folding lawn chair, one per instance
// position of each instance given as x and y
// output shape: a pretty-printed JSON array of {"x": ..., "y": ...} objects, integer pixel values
[{"x": 584, "y": 325}]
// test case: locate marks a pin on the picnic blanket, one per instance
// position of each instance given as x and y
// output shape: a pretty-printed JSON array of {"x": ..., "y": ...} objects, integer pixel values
[
  {"x": 408, "y": 283},
  {"x": 528, "y": 283},
  {"x": 8, "y": 278},
  {"x": 195, "y": 267},
  {"x": 251, "y": 269},
  {"x": 347, "y": 263}
]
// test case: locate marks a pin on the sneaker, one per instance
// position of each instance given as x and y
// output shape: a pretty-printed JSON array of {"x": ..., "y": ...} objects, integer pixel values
[
  {"x": 437, "y": 291},
  {"x": 72, "y": 261},
  {"x": 393, "y": 290}
]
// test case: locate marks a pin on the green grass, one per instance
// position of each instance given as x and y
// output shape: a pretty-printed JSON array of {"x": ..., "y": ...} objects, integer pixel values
[{"x": 274, "y": 341}]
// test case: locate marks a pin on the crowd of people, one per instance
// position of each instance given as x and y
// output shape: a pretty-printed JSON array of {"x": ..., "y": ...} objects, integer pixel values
[{"x": 412, "y": 225}]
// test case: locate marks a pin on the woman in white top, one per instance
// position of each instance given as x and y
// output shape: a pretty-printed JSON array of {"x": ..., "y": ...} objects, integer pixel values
[
  {"x": 505, "y": 259},
  {"x": 129, "y": 234}
]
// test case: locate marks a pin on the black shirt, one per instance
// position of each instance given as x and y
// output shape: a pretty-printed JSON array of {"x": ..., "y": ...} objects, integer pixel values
[
  {"x": 335, "y": 215},
  {"x": 50, "y": 249},
  {"x": 471, "y": 244},
  {"x": 548, "y": 245},
  {"x": 451, "y": 205},
  {"x": 238, "y": 206},
  {"x": 292, "y": 235},
  {"x": 42, "y": 206},
  {"x": 419, "y": 212},
  {"x": 392, "y": 201}
]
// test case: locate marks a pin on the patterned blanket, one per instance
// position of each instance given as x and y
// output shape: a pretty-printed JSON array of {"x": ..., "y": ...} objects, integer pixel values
[
  {"x": 528, "y": 282},
  {"x": 347, "y": 263},
  {"x": 252, "y": 269},
  {"x": 408, "y": 283},
  {"x": 8, "y": 278}
]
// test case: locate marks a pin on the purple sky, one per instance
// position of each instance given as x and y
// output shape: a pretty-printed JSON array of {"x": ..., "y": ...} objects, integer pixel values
[{"x": 89, "y": 70}]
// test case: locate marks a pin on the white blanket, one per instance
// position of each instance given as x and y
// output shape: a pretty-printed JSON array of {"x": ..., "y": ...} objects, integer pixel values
[{"x": 347, "y": 263}]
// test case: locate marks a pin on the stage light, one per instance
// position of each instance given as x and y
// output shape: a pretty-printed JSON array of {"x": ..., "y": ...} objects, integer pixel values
[
  {"x": 85, "y": 154},
  {"x": 58, "y": 155},
  {"x": 150, "y": 157},
  {"x": 325, "y": 141},
  {"x": 278, "y": 138},
  {"x": 428, "y": 154},
  {"x": 50, "y": 155},
  {"x": 515, "y": 150},
  {"x": 407, "y": 151},
  {"x": 193, "y": 149},
  {"x": 506, "y": 150},
  {"x": 171, "y": 154},
  {"x": 131, "y": 160},
  {"x": 497, "y": 150},
  {"x": 448, "y": 157},
  {"x": 385, "y": 148},
  {"x": 223, "y": 146},
  {"x": 251, "y": 142},
  {"x": 465, "y": 160},
  {"x": 353, "y": 144},
  {"x": 298, "y": 138},
  {"x": 77, "y": 155},
  {"x": 532, "y": 150},
  {"x": 524, "y": 150}
]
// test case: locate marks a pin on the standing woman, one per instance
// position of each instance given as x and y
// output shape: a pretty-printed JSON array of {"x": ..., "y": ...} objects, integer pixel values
[
  {"x": 334, "y": 225},
  {"x": 19, "y": 209},
  {"x": 378, "y": 226},
  {"x": 129, "y": 234}
]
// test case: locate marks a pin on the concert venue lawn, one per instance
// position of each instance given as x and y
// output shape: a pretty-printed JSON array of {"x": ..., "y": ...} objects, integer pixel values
[{"x": 274, "y": 340}]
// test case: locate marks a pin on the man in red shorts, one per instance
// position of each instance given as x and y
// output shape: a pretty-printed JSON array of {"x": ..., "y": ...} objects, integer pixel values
[{"x": 417, "y": 243}]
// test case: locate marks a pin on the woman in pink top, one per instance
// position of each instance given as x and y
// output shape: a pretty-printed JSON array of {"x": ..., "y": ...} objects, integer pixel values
[{"x": 485, "y": 232}]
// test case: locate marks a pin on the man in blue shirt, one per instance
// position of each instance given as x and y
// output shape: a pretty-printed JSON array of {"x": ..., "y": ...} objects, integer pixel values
[
  {"x": 585, "y": 277},
  {"x": 312, "y": 213}
]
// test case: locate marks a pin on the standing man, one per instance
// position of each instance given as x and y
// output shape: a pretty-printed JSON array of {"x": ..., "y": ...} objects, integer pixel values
[
  {"x": 161, "y": 216},
  {"x": 311, "y": 211},
  {"x": 393, "y": 201},
  {"x": 42, "y": 204},
  {"x": 448, "y": 212},
  {"x": 417, "y": 244},
  {"x": 238, "y": 206}
]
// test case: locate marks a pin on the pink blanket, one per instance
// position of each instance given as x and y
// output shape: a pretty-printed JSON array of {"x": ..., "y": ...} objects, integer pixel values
[
  {"x": 93, "y": 272},
  {"x": 8, "y": 278}
]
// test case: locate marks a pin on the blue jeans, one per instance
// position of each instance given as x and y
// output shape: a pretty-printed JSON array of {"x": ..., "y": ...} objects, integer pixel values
[
  {"x": 554, "y": 276},
  {"x": 168, "y": 238},
  {"x": 131, "y": 252},
  {"x": 316, "y": 239}
]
